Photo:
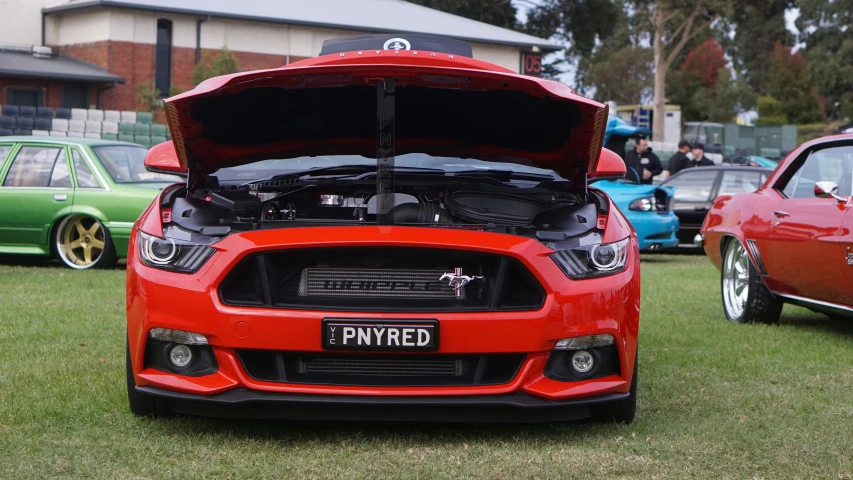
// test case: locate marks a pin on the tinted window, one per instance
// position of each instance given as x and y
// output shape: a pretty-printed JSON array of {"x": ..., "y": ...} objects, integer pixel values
[
  {"x": 33, "y": 167},
  {"x": 60, "y": 176},
  {"x": 739, "y": 181},
  {"x": 827, "y": 165},
  {"x": 127, "y": 165},
  {"x": 85, "y": 179},
  {"x": 694, "y": 185}
]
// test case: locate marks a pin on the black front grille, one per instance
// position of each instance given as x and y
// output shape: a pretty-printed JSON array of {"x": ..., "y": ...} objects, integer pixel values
[
  {"x": 380, "y": 367},
  {"x": 380, "y": 370},
  {"x": 380, "y": 279}
]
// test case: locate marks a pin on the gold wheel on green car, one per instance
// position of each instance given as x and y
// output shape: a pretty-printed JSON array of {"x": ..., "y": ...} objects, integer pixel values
[{"x": 82, "y": 242}]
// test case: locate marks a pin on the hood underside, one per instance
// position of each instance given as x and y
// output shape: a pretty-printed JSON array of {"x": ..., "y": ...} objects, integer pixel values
[{"x": 442, "y": 107}]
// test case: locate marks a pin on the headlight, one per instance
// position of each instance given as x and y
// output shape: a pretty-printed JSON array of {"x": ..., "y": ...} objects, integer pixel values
[
  {"x": 171, "y": 254},
  {"x": 589, "y": 261},
  {"x": 648, "y": 204}
]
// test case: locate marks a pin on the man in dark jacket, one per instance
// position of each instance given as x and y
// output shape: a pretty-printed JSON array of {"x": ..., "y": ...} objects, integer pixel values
[
  {"x": 699, "y": 158},
  {"x": 679, "y": 161},
  {"x": 645, "y": 163}
]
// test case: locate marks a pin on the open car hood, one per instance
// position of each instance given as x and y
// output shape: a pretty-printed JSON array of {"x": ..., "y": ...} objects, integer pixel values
[{"x": 436, "y": 103}]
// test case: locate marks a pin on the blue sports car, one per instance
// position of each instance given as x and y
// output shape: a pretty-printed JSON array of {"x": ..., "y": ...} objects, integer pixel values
[{"x": 647, "y": 207}]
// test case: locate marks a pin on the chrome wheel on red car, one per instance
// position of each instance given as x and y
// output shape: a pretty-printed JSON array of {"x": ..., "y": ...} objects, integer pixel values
[
  {"x": 745, "y": 297},
  {"x": 735, "y": 280}
]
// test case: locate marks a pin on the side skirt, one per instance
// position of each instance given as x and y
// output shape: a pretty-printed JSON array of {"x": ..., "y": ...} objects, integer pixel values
[{"x": 818, "y": 305}]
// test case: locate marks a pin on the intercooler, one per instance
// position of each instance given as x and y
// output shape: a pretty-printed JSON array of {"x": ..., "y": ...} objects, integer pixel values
[{"x": 376, "y": 282}]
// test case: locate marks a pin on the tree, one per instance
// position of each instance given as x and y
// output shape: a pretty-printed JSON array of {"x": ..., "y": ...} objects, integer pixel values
[
  {"x": 624, "y": 77},
  {"x": 223, "y": 63},
  {"x": 674, "y": 22},
  {"x": 720, "y": 103},
  {"x": 757, "y": 25},
  {"x": 584, "y": 27},
  {"x": 770, "y": 112},
  {"x": 706, "y": 61},
  {"x": 495, "y": 12},
  {"x": 148, "y": 96},
  {"x": 825, "y": 28},
  {"x": 789, "y": 81}
]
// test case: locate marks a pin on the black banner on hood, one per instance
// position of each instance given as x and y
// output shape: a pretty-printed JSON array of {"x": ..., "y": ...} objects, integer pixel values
[{"x": 385, "y": 151}]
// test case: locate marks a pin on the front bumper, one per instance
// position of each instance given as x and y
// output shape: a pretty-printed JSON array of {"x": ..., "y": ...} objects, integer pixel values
[
  {"x": 507, "y": 408},
  {"x": 571, "y": 309},
  {"x": 655, "y": 231}
]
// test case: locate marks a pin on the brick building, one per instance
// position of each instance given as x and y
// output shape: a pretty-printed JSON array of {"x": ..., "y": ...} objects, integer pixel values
[{"x": 101, "y": 50}]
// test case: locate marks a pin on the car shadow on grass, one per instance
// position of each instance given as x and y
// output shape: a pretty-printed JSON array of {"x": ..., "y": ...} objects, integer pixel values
[
  {"x": 421, "y": 433},
  {"x": 819, "y": 323}
]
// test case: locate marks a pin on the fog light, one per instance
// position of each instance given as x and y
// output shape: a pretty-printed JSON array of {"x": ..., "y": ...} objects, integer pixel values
[
  {"x": 583, "y": 362},
  {"x": 180, "y": 356}
]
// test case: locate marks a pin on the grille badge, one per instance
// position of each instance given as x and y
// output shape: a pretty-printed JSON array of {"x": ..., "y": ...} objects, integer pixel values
[{"x": 457, "y": 280}]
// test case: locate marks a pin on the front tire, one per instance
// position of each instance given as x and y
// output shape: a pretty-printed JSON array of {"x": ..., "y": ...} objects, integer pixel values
[
  {"x": 82, "y": 242},
  {"x": 745, "y": 297}
]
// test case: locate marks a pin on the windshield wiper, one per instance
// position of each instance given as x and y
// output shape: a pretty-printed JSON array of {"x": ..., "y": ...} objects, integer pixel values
[
  {"x": 339, "y": 171},
  {"x": 502, "y": 174}
]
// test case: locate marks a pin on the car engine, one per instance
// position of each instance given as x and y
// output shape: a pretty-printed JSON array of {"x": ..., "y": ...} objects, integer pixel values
[{"x": 547, "y": 210}]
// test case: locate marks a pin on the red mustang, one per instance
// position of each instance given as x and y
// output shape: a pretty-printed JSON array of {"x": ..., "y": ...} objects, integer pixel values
[
  {"x": 396, "y": 234},
  {"x": 791, "y": 240}
]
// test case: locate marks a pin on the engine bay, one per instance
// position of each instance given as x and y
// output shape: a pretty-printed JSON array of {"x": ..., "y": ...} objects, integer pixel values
[{"x": 547, "y": 210}]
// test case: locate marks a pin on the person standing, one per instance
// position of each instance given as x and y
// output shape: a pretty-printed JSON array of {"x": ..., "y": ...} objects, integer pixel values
[
  {"x": 643, "y": 161},
  {"x": 678, "y": 161},
  {"x": 699, "y": 158}
]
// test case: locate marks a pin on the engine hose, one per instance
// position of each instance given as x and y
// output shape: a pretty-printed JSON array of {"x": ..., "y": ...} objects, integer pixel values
[{"x": 419, "y": 213}]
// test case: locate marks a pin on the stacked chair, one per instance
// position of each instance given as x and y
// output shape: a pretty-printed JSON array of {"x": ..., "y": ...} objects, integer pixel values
[{"x": 136, "y": 127}]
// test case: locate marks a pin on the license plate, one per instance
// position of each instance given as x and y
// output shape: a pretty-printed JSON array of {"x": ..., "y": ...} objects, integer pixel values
[{"x": 395, "y": 335}]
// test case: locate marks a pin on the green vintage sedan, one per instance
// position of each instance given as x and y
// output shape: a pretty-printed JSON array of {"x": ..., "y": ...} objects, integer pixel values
[{"x": 73, "y": 198}]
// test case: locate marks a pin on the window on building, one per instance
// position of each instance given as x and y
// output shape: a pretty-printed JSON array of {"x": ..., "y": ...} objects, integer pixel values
[
  {"x": 75, "y": 95},
  {"x": 31, "y": 97},
  {"x": 163, "y": 62}
]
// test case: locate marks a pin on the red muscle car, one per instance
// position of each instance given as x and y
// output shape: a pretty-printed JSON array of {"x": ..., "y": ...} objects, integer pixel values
[
  {"x": 384, "y": 233},
  {"x": 790, "y": 241}
]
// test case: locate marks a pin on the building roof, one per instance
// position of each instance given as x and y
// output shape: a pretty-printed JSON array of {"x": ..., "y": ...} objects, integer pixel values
[
  {"x": 15, "y": 63},
  {"x": 363, "y": 15}
]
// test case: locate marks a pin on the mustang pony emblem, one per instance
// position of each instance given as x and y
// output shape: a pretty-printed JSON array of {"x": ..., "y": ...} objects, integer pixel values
[
  {"x": 456, "y": 280},
  {"x": 397, "y": 44}
]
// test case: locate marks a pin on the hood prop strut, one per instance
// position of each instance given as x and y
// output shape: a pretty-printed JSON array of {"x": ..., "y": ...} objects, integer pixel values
[{"x": 385, "y": 150}]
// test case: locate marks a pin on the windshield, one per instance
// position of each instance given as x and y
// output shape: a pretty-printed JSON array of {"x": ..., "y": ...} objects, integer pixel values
[
  {"x": 267, "y": 168},
  {"x": 126, "y": 164}
]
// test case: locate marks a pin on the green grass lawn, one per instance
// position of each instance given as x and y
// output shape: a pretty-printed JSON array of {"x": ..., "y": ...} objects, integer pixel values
[{"x": 715, "y": 400}]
